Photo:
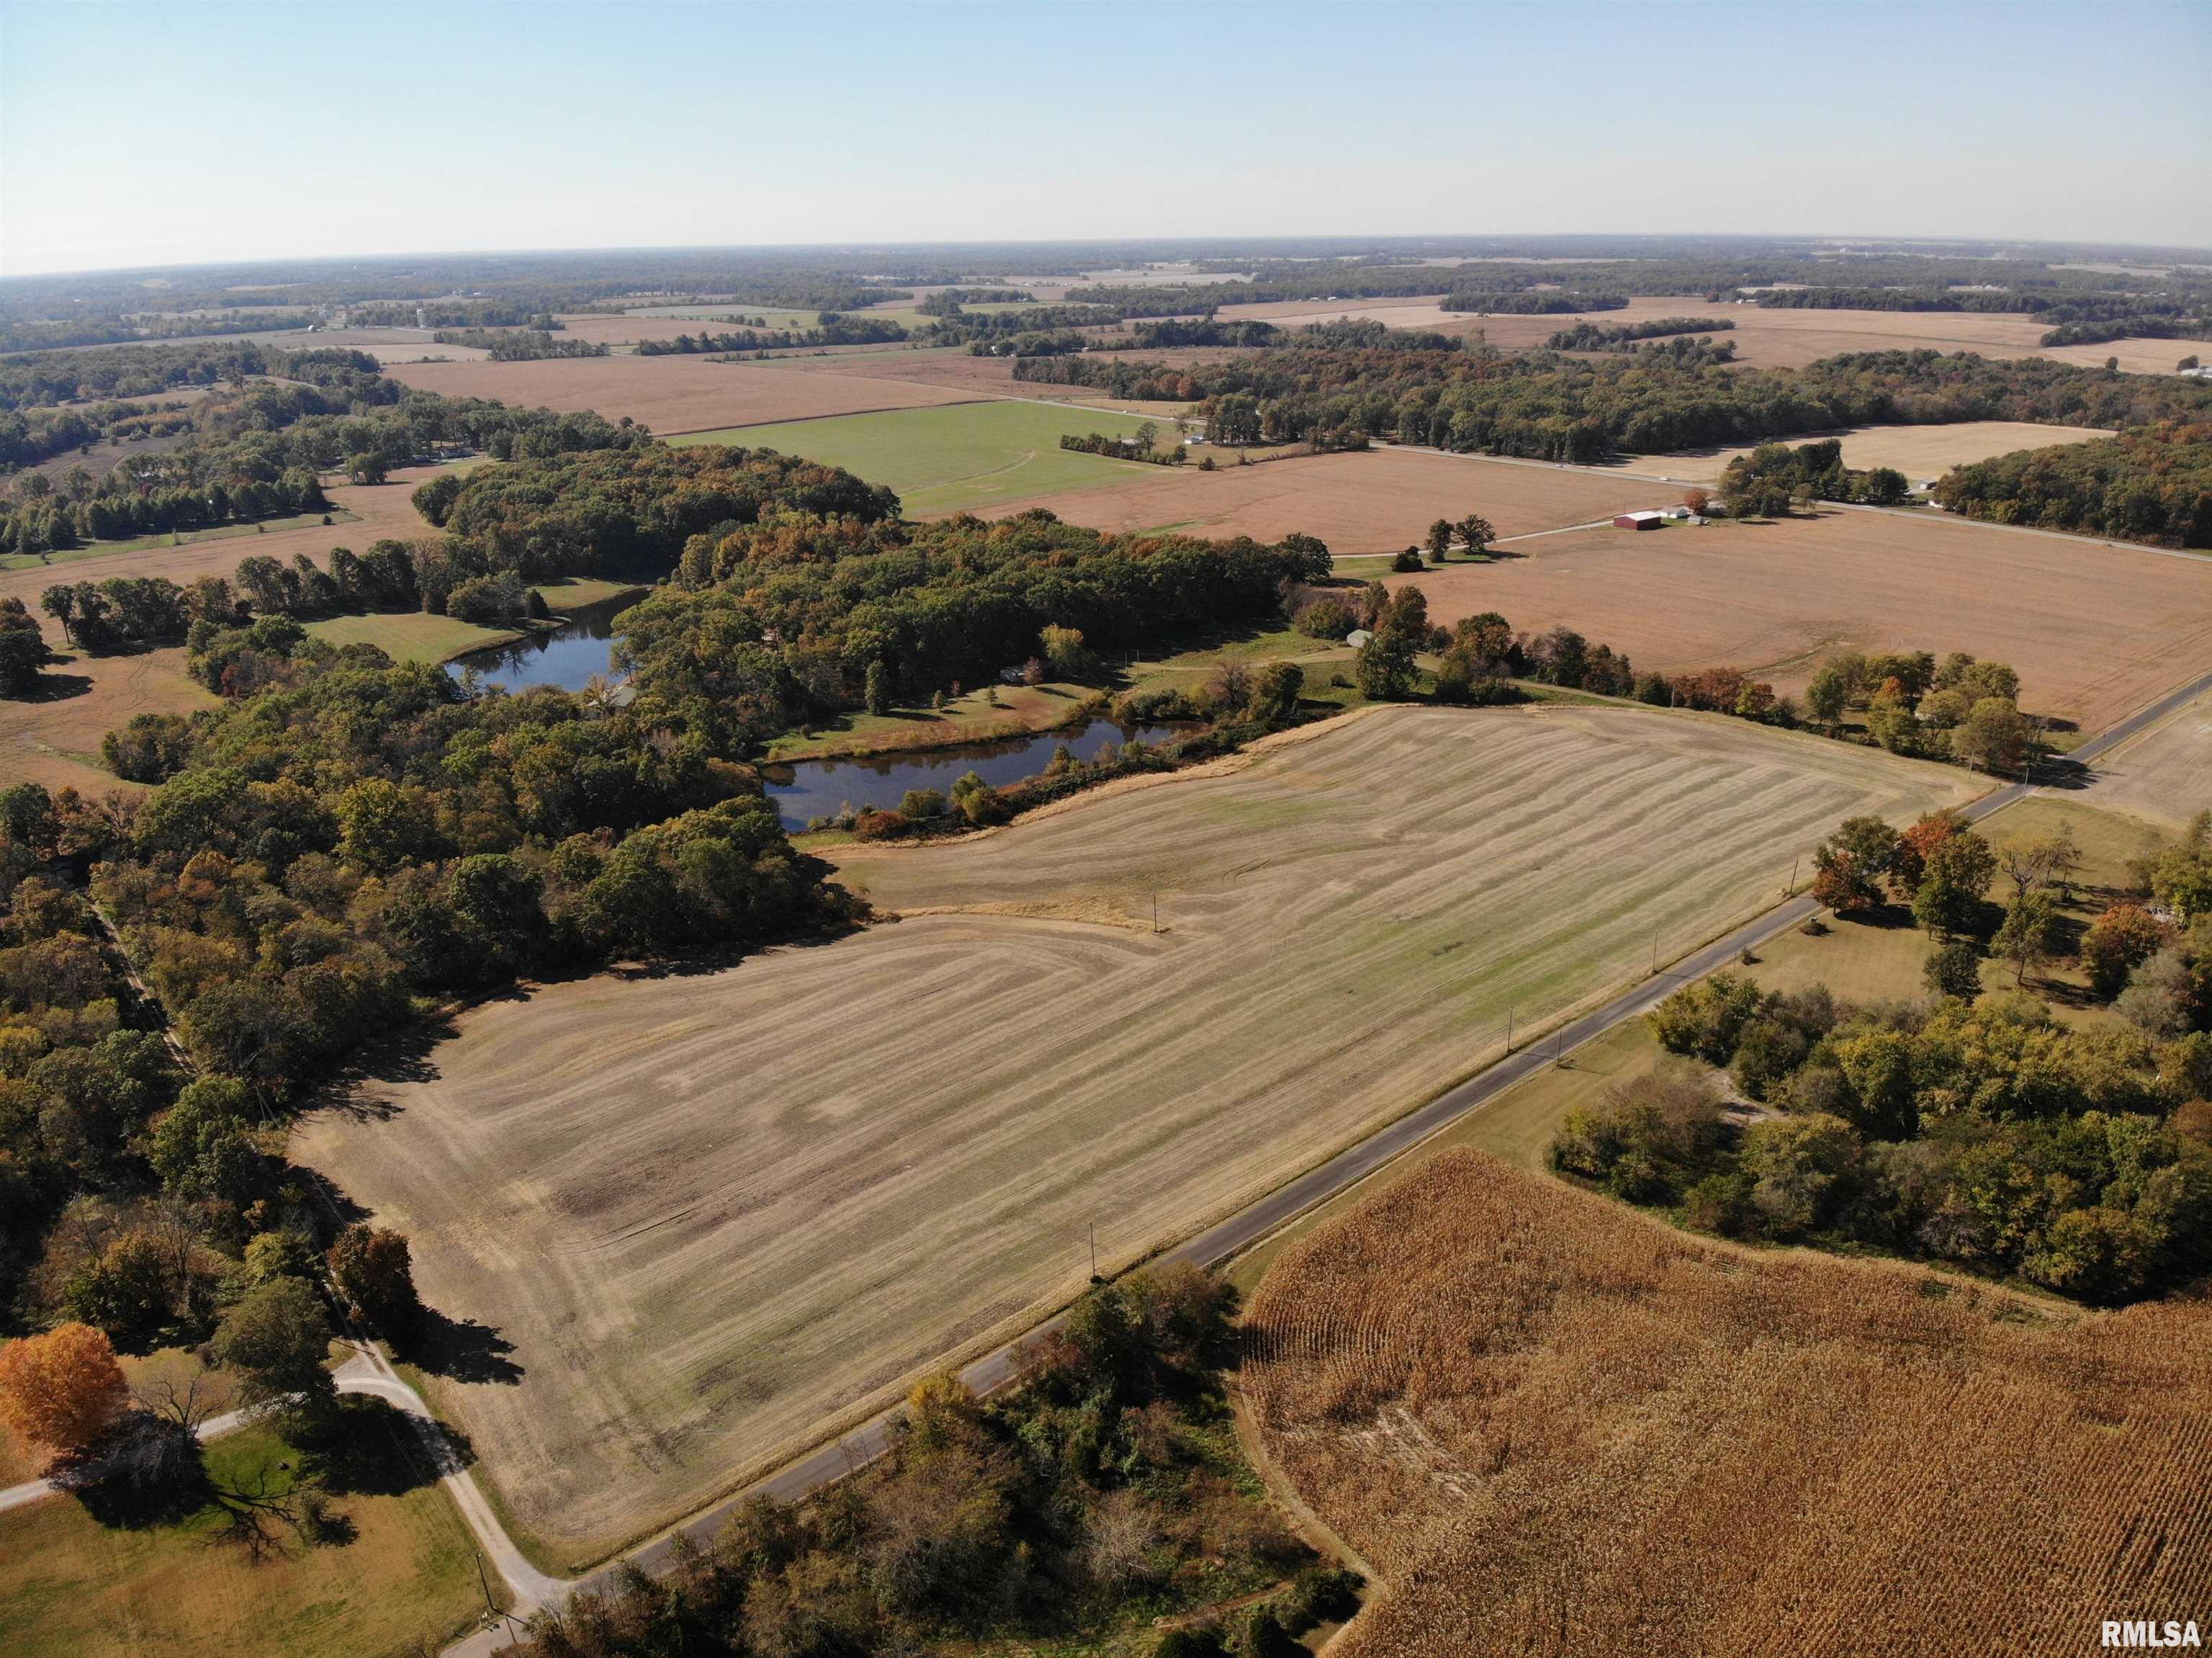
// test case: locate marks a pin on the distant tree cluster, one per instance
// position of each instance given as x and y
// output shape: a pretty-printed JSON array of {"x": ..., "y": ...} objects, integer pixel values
[
  {"x": 1583, "y": 410},
  {"x": 1528, "y": 303},
  {"x": 1595, "y": 337},
  {"x": 518, "y": 345},
  {"x": 831, "y": 328},
  {"x": 2153, "y": 483},
  {"x": 1774, "y": 479}
]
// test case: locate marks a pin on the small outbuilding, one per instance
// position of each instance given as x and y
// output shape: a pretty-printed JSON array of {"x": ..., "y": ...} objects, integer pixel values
[
  {"x": 1358, "y": 638},
  {"x": 1638, "y": 521}
]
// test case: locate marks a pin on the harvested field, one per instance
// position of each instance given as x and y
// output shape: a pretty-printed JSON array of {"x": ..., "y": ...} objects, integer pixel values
[
  {"x": 714, "y": 1212},
  {"x": 55, "y": 739},
  {"x": 1378, "y": 502},
  {"x": 980, "y": 455},
  {"x": 994, "y": 376},
  {"x": 2136, "y": 356},
  {"x": 377, "y": 511},
  {"x": 1556, "y": 1426},
  {"x": 2165, "y": 774},
  {"x": 1918, "y": 452},
  {"x": 1763, "y": 339},
  {"x": 672, "y": 394},
  {"x": 2096, "y": 630}
]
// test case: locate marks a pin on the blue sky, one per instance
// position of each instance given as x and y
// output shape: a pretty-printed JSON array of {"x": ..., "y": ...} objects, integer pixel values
[{"x": 135, "y": 135}]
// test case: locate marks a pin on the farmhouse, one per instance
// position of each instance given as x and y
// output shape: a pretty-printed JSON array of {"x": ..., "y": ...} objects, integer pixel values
[{"x": 1638, "y": 521}]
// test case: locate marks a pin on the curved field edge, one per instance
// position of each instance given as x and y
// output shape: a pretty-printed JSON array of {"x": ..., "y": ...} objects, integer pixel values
[
  {"x": 1561, "y": 1419},
  {"x": 716, "y": 1218}
]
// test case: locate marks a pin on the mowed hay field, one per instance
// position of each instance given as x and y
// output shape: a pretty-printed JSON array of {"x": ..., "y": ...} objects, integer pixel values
[
  {"x": 2096, "y": 630},
  {"x": 1378, "y": 502},
  {"x": 2165, "y": 774},
  {"x": 54, "y": 739},
  {"x": 671, "y": 393},
  {"x": 956, "y": 459},
  {"x": 994, "y": 376},
  {"x": 714, "y": 1211},
  {"x": 1918, "y": 452},
  {"x": 1553, "y": 1426}
]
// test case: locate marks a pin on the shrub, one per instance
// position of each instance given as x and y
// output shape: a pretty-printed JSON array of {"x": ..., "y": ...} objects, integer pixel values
[{"x": 1707, "y": 1018}]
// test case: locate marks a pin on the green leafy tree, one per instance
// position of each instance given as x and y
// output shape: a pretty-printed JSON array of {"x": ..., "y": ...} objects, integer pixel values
[
  {"x": 1954, "y": 969},
  {"x": 373, "y": 1268},
  {"x": 2029, "y": 934},
  {"x": 878, "y": 696},
  {"x": 276, "y": 1339}
]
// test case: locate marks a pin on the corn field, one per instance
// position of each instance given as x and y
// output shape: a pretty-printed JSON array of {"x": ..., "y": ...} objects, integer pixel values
[{"x": 1556, "y": 1426}]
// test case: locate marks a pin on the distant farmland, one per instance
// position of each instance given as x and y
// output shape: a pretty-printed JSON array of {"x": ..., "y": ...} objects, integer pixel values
[
  {"x": 2095, "y": 630},
  {"x": 1918, "y": 452},
  {"x": 670, "y": 393},
  {"x": 1555, "y": 1426},
  {"x": 1357, "y": 503},
  {"x": 713, "y": 1211},
  {"x": 2165, "y": 774},
  {"x": 956, "y": 460}
]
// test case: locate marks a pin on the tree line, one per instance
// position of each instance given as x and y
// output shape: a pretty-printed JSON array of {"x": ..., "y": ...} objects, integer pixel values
[
  {"x": 2152, "y": 484},
  {"x": 831, "y": 328},
  {"x": 1528, "y": 303},
  {"x": 258, "y": 455},
  {"x": 518, "y": 345},
  {"x": 1595, "y": 337},
  {"x": 1580, "y": 410}
]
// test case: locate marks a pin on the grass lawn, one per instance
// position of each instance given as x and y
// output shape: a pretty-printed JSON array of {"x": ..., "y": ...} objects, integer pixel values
[
  {"x": 960, "y": 457},
  {"x": 411, "y": 635},
  {"x": 578, "y": 593},
  {"x": 971, "y": 718},
  {"x": 180, "y": 538},
  {"x": 69, "y": 1585}
]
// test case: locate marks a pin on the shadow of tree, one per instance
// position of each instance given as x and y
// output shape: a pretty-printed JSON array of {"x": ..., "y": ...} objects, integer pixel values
[
  {"x": 458, "y": 1349},
  {"x": 147, "y": 1472},
  {"x": 369, "y": 1447}
]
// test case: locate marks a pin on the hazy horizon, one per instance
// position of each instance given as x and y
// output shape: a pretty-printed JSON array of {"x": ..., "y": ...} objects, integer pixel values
[{"x": 372, "y": 131}]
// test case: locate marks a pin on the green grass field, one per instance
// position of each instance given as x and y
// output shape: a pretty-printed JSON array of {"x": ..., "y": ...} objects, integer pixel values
[
  {"x": 961, "y": 457},
  {"x": 411, "y": 635},
  {"x": 579, "y": 592},
  {"x": 405, "y": 1583}
]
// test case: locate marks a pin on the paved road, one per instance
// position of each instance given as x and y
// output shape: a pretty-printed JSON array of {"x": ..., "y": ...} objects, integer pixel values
[{"x": 1239, "y": 1232}]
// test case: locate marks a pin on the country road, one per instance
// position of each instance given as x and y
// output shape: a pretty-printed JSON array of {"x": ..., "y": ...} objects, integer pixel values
[
  {"x": 529, "y": 1589},
  {"x": 834, "y": 1461}
]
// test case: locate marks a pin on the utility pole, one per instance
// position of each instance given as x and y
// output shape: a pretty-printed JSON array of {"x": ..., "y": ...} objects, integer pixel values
[
  {"x": 1156, "y": 913},
  {"x": 1509, "y": 1030},
  {"x": 1655, "y": 949},
  {"x": 1791, "y": 891},
  {"x": 1094, "y": 1251}
]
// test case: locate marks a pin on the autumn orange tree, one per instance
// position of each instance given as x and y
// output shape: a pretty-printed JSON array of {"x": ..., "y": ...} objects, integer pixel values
[{"x": 61, "y": 1390}]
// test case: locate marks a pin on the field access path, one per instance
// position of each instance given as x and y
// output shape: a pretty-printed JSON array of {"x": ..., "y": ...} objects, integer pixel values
[{"x": 849, "y": 1452}]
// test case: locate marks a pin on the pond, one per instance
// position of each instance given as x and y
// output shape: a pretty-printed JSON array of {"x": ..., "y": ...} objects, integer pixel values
[
  {"x": 821, "y": 789},
  {"x": 566, "y": 656}
]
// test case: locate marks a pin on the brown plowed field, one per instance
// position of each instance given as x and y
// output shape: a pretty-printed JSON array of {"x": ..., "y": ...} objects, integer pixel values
[
  {"x": 2096, "y": 630},
  {"x": 2165, "y": 774},
  {"x": 1918, "y": 452},
  {"x": 1378, "y": 502},
  {"x": 712, "y": 1212},
  {"x": 994, "y": 376},
  {"x": 673, "y": 393},
  {"x": 1555, "y": 1426}
]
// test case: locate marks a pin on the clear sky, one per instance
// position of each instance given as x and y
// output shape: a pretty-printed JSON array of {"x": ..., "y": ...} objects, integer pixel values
[{"x": 175, "y": 133}]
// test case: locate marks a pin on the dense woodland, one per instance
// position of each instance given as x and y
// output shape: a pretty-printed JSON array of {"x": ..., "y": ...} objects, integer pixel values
[
  {"x": 258, "y": 454},
  {"x": 1531, "y": 303},
  {"x": 1973, "y": 1129},
  {"x": 1571, "y": 409},
  {"x": 2152, "y": 484}
]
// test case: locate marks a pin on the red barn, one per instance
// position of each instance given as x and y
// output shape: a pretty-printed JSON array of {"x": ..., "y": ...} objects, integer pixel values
[{"x": 1638, "y": 521}]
